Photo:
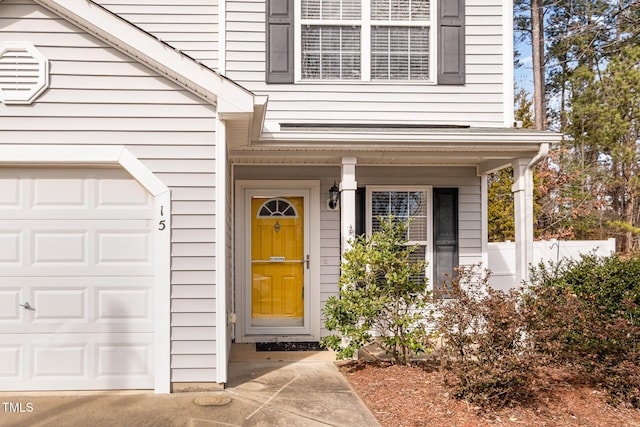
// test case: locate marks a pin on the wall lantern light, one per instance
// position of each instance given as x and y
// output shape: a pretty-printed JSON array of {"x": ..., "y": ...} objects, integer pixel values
[{"x": 334, "y": 195}]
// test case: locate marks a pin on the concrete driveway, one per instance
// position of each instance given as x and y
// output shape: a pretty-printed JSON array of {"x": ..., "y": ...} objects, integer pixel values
[{"x": 265, "y": 389}]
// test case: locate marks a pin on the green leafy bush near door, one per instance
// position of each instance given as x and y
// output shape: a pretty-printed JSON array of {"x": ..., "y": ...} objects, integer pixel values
[{"x": 383, "y": 294}]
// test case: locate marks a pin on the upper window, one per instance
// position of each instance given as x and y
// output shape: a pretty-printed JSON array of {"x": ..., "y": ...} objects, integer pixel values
[{"x": 366, "y": 40}]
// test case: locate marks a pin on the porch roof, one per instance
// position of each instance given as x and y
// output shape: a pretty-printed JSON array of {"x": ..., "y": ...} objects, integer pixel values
[{"x": 485, "y": 148}]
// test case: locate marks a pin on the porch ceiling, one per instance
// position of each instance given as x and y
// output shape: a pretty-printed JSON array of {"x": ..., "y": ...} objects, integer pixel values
[{"x": 487, "y": 148}]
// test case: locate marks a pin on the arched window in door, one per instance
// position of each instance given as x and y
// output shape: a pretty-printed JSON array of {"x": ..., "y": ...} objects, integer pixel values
[{"x": 277, "y": 207}]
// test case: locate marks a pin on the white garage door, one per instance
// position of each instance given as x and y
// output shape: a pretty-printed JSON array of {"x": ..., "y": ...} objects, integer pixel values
[{"x": 76, "y": 275}]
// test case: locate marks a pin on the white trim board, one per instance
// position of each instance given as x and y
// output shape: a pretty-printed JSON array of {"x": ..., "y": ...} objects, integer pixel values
[
  {"x": 69, "y": 155},
  {"x": 146, "y": 49},
  {"x": 222, "y": 356}
]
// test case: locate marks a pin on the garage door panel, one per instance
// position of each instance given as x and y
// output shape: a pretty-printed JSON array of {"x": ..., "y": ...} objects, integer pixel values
[
  {"x": 10, "y": 193},
  {"x": 72, "y": 194},
  {"x": 60, "y": 361},
  {"x": 84, "y": 247},
  {"x": 48, "y": 270},
  {"x": 76, "y": 304},
  {"x": 124, "y": 305},
  {"x": 10, "y": 310},
  {"x": 48, "y": 193},
  {"x": 76, "y": 280},
  {"x": 69, "y": 215},
  {"x": 77, "y": 361},
  {"x": 10, "y": 362},
  {"x": 87, "y": 225},
  {"x": 123, "y": 359},
  {"x": 121, "y": 194},
  {"x": 60, "y": 305},
  {"x": 99, "y": 270},
  {"x": 119, "y": 248},
  {"x": 64, "y": 248},
  {"x": 11, "y": 248}
]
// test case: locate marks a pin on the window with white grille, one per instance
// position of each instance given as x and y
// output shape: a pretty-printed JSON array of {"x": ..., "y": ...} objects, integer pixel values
[
  {"x": 365, "y": 40},
  {"x": 277, "y": 207},
  {"x": 411, "y": 205},
  {"x": 24, "y": 73}
]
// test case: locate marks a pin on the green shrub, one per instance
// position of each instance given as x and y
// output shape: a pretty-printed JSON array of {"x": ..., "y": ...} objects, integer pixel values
[
  {"x": 585, "y": 314},
  {"x": 484, "y": 342},
  {"x": 606, "y": 281},
  {"x": 382, "y": 293}
]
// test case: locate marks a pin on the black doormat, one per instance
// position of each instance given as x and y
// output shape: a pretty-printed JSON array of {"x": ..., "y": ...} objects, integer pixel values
[{"x": 289, "y": 346}]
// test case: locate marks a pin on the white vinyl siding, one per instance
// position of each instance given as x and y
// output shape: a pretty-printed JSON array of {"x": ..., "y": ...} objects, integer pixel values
[
  {"x": 478, "y": 103},
  {"x": 99, "y": 96},
  {"x": 190, "y": 26}
]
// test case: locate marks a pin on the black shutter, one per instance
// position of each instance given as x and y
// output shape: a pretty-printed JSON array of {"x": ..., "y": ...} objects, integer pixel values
[
  {"x": 361, "y": 212},
  {"x": 451, "y": 60},
  {"x": 279, "y": 41},
  {"x": 445, "y": 234}
]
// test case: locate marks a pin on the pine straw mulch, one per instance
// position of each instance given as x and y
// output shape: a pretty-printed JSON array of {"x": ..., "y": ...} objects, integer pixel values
[{"x": 403, "y": 396}]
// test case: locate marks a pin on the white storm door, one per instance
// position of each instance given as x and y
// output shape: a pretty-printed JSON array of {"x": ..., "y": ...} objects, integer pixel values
[
  {"x": 292, "y": 313},
  {"x": 76, "y": 280}
]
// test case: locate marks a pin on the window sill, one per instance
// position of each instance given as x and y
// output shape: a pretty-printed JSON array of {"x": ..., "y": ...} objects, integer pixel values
[{"x": 367, "y": 82}]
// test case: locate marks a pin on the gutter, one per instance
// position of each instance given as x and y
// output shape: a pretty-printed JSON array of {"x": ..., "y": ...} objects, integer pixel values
[{"x": 542, "y": 153}]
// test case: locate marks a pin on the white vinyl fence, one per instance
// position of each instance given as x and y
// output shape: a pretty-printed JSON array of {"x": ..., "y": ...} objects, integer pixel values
[{"x": 502, "y": 256}]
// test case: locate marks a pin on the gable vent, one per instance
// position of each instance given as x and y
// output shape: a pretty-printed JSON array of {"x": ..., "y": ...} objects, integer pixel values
[{"x": 24, "y": 73}]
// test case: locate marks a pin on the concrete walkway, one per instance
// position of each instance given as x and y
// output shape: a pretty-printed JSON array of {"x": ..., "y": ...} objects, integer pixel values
[{"x": 265, "y": 389}]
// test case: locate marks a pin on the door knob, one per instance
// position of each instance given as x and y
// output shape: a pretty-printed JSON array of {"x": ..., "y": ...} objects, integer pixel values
[{"x": 27, "y": 306}]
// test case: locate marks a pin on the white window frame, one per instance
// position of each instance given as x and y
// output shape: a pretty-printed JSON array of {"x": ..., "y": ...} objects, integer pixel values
[
  {"x": 428, "y": 244},
  {"x": 365, "y": 23}
]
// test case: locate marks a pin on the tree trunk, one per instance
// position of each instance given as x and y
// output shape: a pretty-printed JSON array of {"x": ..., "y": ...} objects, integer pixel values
[{"x": 537, "y": 53}]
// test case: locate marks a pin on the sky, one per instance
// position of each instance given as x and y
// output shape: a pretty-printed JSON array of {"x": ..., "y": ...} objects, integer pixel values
[{"x": 523, "y": 75}]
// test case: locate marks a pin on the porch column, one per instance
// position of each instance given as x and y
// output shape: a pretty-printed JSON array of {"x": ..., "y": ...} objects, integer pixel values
[
  {"x": 348, "y": 187},
  {"x": 523, "y": 207},
  {"x": 484, "y": 200}
]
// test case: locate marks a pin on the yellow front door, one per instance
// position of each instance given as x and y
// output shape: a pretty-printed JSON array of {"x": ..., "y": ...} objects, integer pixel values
[{"x": 277, "y": 261}]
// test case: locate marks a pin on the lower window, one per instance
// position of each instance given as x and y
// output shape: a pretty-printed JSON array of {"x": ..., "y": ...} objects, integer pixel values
[{"x": 405, "y": 204}]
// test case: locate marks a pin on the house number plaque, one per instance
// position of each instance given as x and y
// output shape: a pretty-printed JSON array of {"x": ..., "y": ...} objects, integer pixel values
[{"x": 162, "y": 224}]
